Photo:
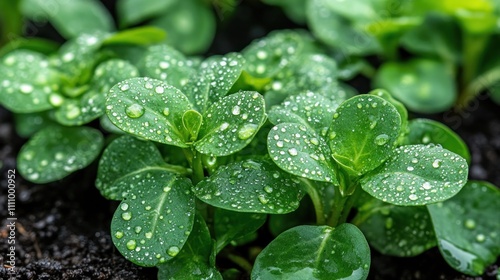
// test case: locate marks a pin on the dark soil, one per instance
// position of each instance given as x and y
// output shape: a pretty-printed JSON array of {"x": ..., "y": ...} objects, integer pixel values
[{"x": 63, "y": 228}]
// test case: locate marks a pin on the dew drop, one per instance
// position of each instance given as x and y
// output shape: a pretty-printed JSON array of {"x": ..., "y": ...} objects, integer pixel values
[
  {"x": 223, "y": 126},
  {"x": 427, "y": 186},
  {"x": 138, "y": 229},
  {"x": 470, "y": 224},
  {"x": 124, "y": 206},
  {"x": 126, "y": 216},
  {"x": 247, "y": 131},
  {"x": 73, "y": 112},
  {"x": 436, "y": 163},
  {"x": 166, "y": 112},
  {"x": 480, "y": 238},
  {"x": 159, "y": 89},
  {"x": 134, "y": 111},
  {"x": 268, "y": 189},
  {"x": 263, "y": 199},
  {"x": 119, "y": 234},
  {"x": 293, "y": 152},
  {"x": 381, "y": 139},
  {"x": 56, "y": 100},
  {"x": 167, "y": 189},
  {"x": 413, "y": 196},
  {"x": 124, "y": 87},
  {"x": 173, "y": 251},
  {"x": 236, "y": 110},
  {"x": 131, "y": 244},
  {"x": 332, "y": 135},
  {"x": 149, "y": 235}
]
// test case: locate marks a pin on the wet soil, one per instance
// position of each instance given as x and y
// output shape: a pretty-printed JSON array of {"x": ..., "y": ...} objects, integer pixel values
[{"x": 63, "y": 228}]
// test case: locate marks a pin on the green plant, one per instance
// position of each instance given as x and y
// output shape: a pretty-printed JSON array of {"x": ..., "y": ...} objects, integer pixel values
[
  {"x": 447, "y": 67},
  {"x": 205, "y": 168}
]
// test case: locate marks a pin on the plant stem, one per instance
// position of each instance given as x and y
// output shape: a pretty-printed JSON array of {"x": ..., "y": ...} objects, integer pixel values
[
  {"x": 316, "y": 199},
  {"x": 240, "y": 261}
]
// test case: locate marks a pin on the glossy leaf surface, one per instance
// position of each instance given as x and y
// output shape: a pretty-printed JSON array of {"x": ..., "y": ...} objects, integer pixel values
[
  {"x": 315, "y": 252},
  {"x": 231, "y": 225}
]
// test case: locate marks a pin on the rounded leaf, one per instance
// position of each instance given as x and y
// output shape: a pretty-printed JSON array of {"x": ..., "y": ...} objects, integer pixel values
[
  {"x": 315, "y": 252},
  {"x": 55, "y": 152},
  {"x": 250, "y": 186},
  {"x": 230, "y": 225},
  {"x": 467, "y": 227},
  {"x": 152, "y": 224},
  {"x": 301, "y": 152},
  {"x": 417, "y": 175},
  {"x": 231, "y": 123},
  {"x": 148, "y": 108},
  {"x": 363, "y": 132}
]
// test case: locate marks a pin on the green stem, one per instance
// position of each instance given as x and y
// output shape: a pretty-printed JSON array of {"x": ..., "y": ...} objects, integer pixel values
[
  {"x": 316, "y": 200},
  {"x": 198, "y": 173},
  {"x": 338, "y": 208},
  {"x": 240, "y": 261},
  {"x": 11, "y": 21}
]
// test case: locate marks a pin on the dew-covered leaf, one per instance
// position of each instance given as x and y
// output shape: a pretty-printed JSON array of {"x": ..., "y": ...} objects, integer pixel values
[
  {"x": 363, "y": 132},
  {"x": 301, "y": 152},
  {"x": 268, "y": 56},
  {"x": 167, "y": 64},
  {"x": 154, "y": 221},
  {"x": 190, "y": 25},
  {"x": 148, "y": 108},
  {"x": 231, "y": 123},
  {"x": 417, "y": 175},
  {"x": 132, "y": 12},
  {"x": 467, "y": 227},
  {"x": 194, "y": 258},
  {"x": 403, "y": 113},
  {"x": 55, "y": 152},
  {"x": 308, "y": 108},
  {"x": 39, "y": 45},
  {"x": 423, "y": 85},
  {"x": 335, "y": 29},
  {"x": 250, "y": 186},
  {"x": 122, "y": 159},
  {"x": 216, "y": 76},
  {"x": 397, "y": 230},
  {"x": 142, "y": 35},
  {"x": 315, "y": 252},
  {"x": 425, "y": 131},
  {"x": 192, "y": 121},
  {"x": 26, "y": 82},
  {"x": 231, "y": 225},
  {"x": 70, "y": 18}
]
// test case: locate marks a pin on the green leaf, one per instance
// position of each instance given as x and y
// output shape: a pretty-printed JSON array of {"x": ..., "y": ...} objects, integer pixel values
[
  {"x": 467, "y": 227},
  {"x": 55, "y": 152},
  {"x": 152, "y": 224},
  {"x": 423, "y": 85},
  {"x": 341, "y": 32},
  {"x": 124, "y": 158},
  {"x": 230, "y": 226},
  {"x": 315, "y": 252},
  {"x": 150, "y": 109},
  {"x": 397, "y": 230},
  {"x": 308, "y": 108},
  {"x": 194, "y": 258},
  {"x": 231, "y": 123},
  {"x": 301, "y": 152},
  {"x": 216, "y": 76},
  {"x": 266, "y": 57},
  {"x": 417, "y": 175},
  {"x": 132, "y": 12},
  {"x": 425, "y": 131},
  {"x": 39, "y": 45},
  {"x": 363, "y": 132},
  {"x": 29, "y": 124},
  {"x": 192, "y": 121},
  {"x": 167, "y": 64},
  {"x": 70, "y": 18},
  {"x": 443, "y": 43},
  {"x": 190, "y": 25},
  {"x": 143, "y": 35},
  {"x": 26, "y": 82},
  {"x": 403, "y": 113},
  {"x": 255, "y": 186},
  {"x": 294, "y": 9}
]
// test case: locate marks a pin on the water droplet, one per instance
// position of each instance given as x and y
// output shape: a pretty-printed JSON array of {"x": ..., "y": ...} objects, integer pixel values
[
  {"x": 134, "y": 111},
  {"x": 382, "y": 139},
  {"x": 409, "y": 168},
  {"x": 293, "y": 152},
  {"x": 138, "y": 229},
  {"x": 427, "y": 186},
  {"x": 56, "y": 100},
  {"x": 426, "y": 139},
  {"x": 131, "y": 244},
  {"x": 413, "y": 196},
  {"x": 247, "y": 131},
  {"x": 263, "y": 199},
  {"x": 268, "y": 189},
  {"x": 223, "y": 126},
  {"x": 236, "y": 110},
  {"x": 315, "y": 141},
  {"x": 159, "y": 89},
  {"x": 167, "y": 189},
  {"x": 126, "y": 216},
  {"x": 480, "y": 238},
  {"x": 124, "y": 206},
  {"x": 119, "y": 234},
  {"x": 173, "y": 251},
  {"x": 73, "y": 112},
  {"x": 124, "y": 87},
  {"x": 261, "y": 54},
  {"x": 436, "y": 163},
  {"x": 149, "y": 235},
  {"x": 470, "y": 224},
  {"x": 166, "y": 112},
  {"x": 400, "y": 188}
]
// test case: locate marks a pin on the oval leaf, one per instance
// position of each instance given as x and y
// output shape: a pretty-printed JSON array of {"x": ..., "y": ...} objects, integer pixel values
[
  {"x": 55, "y": 152},
  {"x": 301, "y": 151},
  {"x": 315, "y": 252},
  {"x": 250, "y": 186},
  {"x": 417, "y": 175},
  {"x": 26, "y": 82},
  {"x": 231, "y": 123},
  {"x": 132, "y": 12},
  {"x": 152, "y": 224},
  {"x": 363, "y": 132},
  {"x": 467, "y": 227},
  {"x": 150, "y": 109}
]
